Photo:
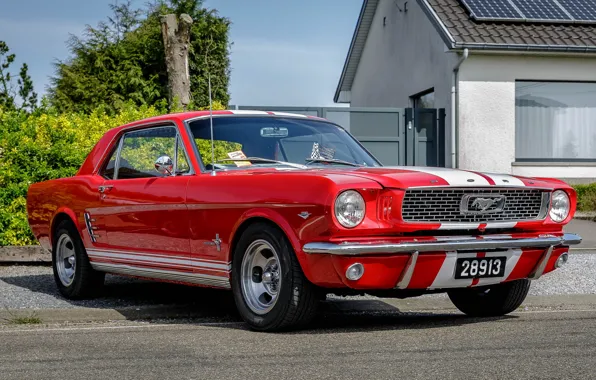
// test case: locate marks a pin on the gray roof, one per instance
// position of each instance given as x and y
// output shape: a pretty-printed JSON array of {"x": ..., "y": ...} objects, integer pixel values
[{"x": 459, "y": 31}]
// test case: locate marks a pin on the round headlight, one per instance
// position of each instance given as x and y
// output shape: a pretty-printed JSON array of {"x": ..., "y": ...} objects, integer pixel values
[
  {"x": 350, "y": 208},
  {"x": 559, "y": 206}
]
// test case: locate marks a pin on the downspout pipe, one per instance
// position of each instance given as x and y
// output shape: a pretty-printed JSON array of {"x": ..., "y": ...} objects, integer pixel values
[{"x": 454, "y": 116}]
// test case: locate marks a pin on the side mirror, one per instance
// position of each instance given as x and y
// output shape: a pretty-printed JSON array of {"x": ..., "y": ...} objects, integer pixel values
[{"x": 164, "y": 165}]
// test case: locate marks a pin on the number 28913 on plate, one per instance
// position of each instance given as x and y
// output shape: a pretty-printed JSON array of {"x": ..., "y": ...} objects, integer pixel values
[{"x": 476, "y": 267}]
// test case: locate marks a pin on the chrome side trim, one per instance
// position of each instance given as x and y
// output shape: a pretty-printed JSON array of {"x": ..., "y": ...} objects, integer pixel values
[
  {"x": 143, "y": 257},
  {"x": 542, "y": 264},
  {"x": 404, "y": 281},
  {"x": 442, "y": 244},
  {"x": 191, "y": 278}
]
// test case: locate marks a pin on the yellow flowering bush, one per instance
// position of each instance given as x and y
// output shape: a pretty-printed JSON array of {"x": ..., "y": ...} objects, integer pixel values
[{"x": 47, "y": 145}]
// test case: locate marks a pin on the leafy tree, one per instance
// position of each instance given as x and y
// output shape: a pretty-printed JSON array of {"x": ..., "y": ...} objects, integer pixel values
[
  {"x": 122, "y": 59},
  {"x": 26, "y": 91},
  {"x": 25, "y": 84},
  {"x": 6, "y": 98}
]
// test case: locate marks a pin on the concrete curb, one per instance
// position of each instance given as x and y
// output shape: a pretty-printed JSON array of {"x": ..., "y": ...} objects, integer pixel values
[
  {"x": 591, "y": 216},
  {"x": 585, "y": 215},
  {"x": 24, "y": 254},
  {"x": 428, "y": 304}
]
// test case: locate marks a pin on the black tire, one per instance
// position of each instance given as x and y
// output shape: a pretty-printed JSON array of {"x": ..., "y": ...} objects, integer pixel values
[
  {"x": 490, "y": 301},
  {"x": 86, "y": 282},
  {"x": 298, "y": 298}
]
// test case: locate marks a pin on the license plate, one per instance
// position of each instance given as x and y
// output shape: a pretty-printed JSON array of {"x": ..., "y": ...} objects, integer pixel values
[{"x": 480, "y": 267}]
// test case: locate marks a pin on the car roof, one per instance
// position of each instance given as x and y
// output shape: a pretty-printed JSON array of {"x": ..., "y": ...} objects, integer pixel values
[{"x": 196, "y": 114}]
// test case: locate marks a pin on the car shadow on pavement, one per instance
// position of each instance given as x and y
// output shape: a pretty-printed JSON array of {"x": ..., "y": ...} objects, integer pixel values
[
  {"x": 136, "y": 299},
  {"x": 131, "y": 297}
]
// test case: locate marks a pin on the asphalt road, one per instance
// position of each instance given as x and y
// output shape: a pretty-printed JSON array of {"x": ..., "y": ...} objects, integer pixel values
[{"x": 525, "y": 345}]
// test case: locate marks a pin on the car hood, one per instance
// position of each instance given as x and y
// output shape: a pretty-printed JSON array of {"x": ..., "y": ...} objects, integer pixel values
[{"x": 415, "y": 176}]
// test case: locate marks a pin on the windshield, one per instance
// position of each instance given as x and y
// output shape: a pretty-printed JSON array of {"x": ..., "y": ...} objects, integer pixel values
[{"x": 274, "y": 141}]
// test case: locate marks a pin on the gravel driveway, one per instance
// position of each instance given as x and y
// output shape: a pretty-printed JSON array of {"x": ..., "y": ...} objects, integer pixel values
[{"x": 33, "y": 287}]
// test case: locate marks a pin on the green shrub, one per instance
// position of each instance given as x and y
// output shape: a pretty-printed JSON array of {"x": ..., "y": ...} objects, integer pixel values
[
  {"x": 47, "y": 145},
  {"x": 586, "y": 197}
]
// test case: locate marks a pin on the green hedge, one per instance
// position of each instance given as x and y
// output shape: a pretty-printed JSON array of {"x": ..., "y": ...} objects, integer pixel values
[
  {"x": 47, "y": 145},
  {"x": 586, "y": 197}
]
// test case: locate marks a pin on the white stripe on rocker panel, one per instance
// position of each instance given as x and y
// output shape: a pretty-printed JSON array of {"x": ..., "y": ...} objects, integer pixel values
[
  {"x": 192, "y": 278},
  {"x": 156, "y": 259}
]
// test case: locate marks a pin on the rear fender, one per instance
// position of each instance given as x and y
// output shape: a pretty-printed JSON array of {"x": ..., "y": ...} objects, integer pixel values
[{"x": 57, "y": 216}]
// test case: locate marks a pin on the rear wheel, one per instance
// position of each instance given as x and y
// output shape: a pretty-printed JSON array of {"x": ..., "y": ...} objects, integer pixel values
[
  {"x": 490, "y": 301},
  {"x": 270, "y": 290},
  {"x": 73, "y": 274}
]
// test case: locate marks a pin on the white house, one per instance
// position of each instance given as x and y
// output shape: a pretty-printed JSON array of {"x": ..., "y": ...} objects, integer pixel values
[{"x": 519, "y": 95}]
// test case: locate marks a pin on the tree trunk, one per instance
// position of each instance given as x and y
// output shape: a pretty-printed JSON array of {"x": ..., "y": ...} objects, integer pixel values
[{"x": 176, "y": 39}]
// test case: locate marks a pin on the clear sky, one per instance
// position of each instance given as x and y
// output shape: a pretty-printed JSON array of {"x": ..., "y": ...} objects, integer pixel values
[{"x": 284, "y": 52}]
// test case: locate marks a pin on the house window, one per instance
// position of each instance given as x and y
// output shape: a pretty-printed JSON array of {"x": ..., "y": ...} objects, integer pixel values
[
  {"x": 425, "y": 99},
  {"x": 555, "y": 121}
]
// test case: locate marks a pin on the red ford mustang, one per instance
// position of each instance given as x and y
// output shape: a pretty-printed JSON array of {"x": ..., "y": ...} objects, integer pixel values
[{"x": 284, "y": 209}]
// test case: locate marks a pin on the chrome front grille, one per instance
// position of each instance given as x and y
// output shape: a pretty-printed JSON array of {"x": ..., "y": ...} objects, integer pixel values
[{"x": 467, "y": 205}]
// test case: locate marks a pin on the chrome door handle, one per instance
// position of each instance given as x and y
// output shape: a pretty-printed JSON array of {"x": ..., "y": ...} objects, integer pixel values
[{"x": 102, "y": 189}]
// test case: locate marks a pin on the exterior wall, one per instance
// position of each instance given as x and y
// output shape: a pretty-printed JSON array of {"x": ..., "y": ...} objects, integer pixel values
[
  {"x": 487, "y": 110},
  {"x": 402, "y": 58}
]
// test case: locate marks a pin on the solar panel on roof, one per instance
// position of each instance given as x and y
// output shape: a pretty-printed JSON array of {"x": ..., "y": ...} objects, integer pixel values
[
  {"x": 584, "y": 10},
  {"x": 564, "y": 11},
  {"x": 492, "y": 9},
  {"x": 540, "y": 10}
]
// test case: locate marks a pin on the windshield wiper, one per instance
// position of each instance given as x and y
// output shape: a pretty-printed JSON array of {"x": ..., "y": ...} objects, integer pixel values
[
  {"x": 331, "y": 160},
  {"x": 260, "y": 159}
]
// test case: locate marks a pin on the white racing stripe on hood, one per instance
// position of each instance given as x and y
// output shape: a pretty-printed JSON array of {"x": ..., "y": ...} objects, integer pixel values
[
  {"x": 501, "y": 178},
  {"x": 452, "y": 176}
]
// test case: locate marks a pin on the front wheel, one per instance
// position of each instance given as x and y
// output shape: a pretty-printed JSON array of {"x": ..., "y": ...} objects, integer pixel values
[
  {"x": 490, "y": 301},
  {"x": 270, "y": 290}
]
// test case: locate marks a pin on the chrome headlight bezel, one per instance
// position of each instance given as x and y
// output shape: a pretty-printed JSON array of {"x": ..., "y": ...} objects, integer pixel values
[
  {"x": 560, "y": 206},
  {"x": 345, "y": 198}
]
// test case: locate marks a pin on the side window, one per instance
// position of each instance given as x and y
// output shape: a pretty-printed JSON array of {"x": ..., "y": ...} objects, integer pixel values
[{"x": 140, "y": 149}]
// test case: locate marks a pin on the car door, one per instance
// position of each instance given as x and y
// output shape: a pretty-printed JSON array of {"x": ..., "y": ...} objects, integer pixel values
[{"x": 142, "y": 211}]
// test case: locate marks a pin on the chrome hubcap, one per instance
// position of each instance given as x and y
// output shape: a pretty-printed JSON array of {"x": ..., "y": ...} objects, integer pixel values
[
  {"x": 66, "y": 262},
  {"x": 260, "y": 276}
]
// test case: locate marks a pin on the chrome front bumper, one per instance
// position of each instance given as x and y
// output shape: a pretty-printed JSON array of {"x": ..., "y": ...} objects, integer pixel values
[{"x": 443, "y": 243}]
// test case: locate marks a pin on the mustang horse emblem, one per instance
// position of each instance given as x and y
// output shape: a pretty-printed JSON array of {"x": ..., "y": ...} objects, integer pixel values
[
  {"x": 475, "y": 204},
  {"x": 483, "y": 204}
]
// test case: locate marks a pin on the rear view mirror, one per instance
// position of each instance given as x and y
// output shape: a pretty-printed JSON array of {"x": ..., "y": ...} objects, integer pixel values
[{"x": 274, "y": 132}]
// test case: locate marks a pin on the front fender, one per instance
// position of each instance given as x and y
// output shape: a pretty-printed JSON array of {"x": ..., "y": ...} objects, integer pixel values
[{"x": 291, "y": 232}]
